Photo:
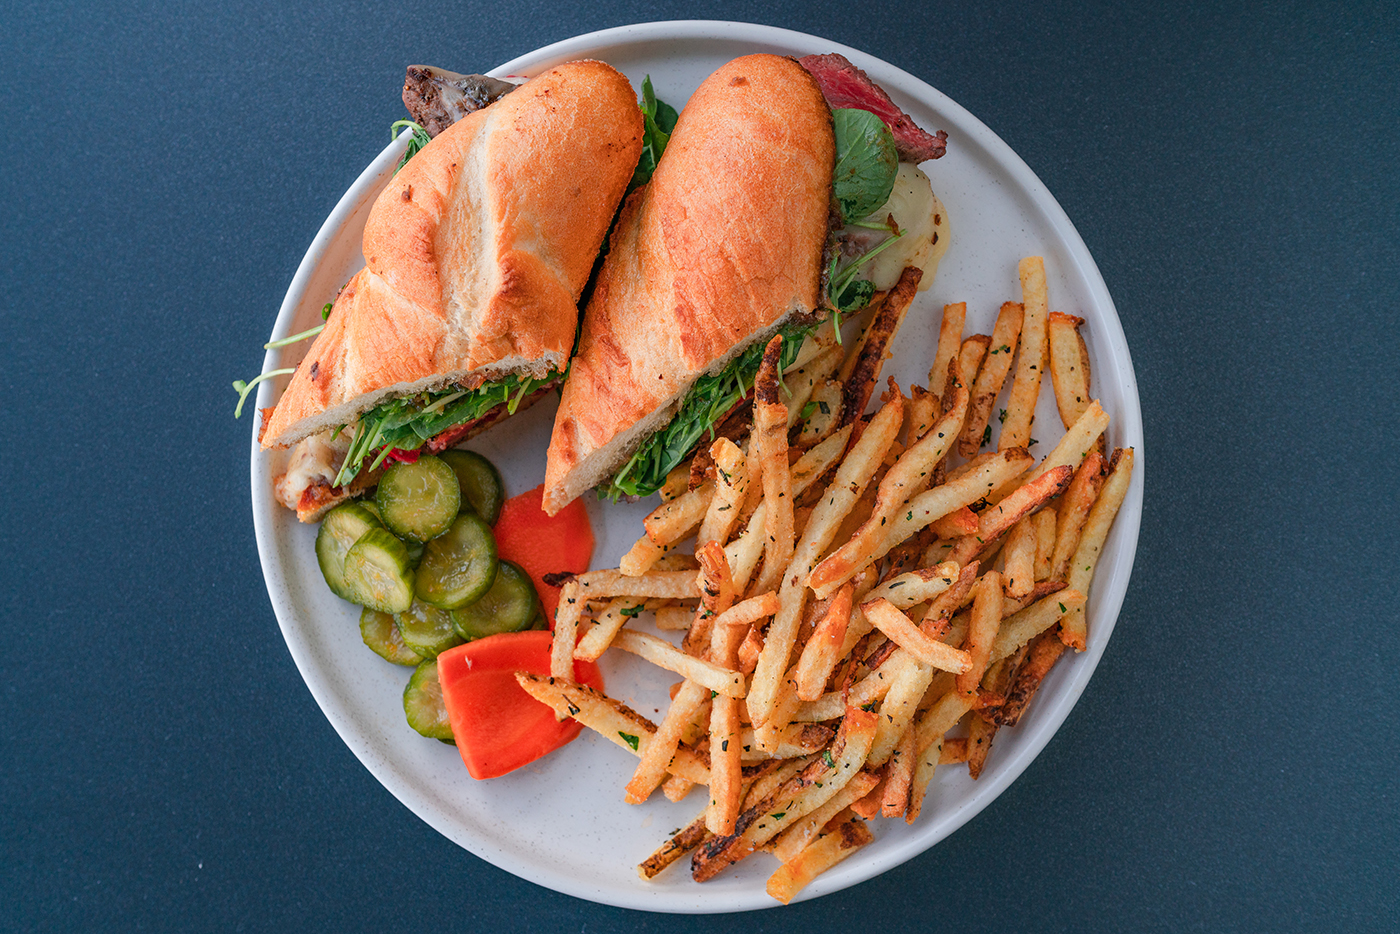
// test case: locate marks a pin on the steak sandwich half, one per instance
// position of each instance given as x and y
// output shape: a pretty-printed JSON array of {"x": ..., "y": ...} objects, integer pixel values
[
  {"x": 767, "y": 210},
  {"x": 476, "y": 254}
]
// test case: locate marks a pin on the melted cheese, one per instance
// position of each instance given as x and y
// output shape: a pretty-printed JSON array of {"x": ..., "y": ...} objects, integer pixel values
[
  {"x": 315, "y": 458},
  {"x": 924, "y": 221}
]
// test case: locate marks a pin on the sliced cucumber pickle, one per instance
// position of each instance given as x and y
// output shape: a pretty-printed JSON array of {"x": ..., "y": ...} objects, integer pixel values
[
  {"x": 459, "y": 565},
  {"x": 422, "y": 702},
  {"x": 480, "y": 482},
  {"x": 509, "y": 606},
  {"x": 418, "y": 501},
  {"x": 341, "y": 528},
  {"x": 427, "y": 629},
  {"x": 378, "y": 573},
  {"x": 373, "y": 508},
  {"x": 382, "y": 635}
]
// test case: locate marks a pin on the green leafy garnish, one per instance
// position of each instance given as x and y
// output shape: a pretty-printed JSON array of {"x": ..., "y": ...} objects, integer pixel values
[
  {"x": 709, "y": 400},
  {"x": 407, "y": 423},
  {"x": 419, "y": 139},
  {"x": 289, "y": 341},
  {"x": 658, "y": 120},
  {"x": 866, "y": 162},
  {"x": 243, "y": 389},
  {"x": 630, "y": 611},
  {"x": 629, "y": 739}
]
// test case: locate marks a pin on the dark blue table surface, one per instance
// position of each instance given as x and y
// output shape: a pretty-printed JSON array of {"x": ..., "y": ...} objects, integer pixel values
[{"x": 1232, "y": 765}]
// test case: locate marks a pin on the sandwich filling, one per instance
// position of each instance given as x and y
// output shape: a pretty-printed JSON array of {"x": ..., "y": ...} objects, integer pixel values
[
  {"x": 397, "y": 428},
  {"x": 885, "y": 217}
]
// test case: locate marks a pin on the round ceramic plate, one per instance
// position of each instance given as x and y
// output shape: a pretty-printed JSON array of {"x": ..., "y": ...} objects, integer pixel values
[{"x": 561, "y": 822}]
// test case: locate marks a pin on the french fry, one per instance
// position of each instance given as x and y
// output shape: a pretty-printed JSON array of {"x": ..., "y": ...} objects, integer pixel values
[
  {"x": 769, "y": 439},
  {"x": 872, "y": 542},
  {"x": 792, "y": 801},
  {"x": 982, "y": 728},
  {"x": 899, "y": 775},
  {"x": 970, "y": 356},
  {"x": 664, "y": 585},
  {"x": 898, "y": 627},
  {"x": 1023, "y": 626},
  {"x": 673, "y": 618},
  {"x": 1069, "y": 366},
  {"x": 725, "y": 752},
  {"x": 659, "y": 652},
  {"x": 985, "y": 389},
  {"x": 1044, "y": 522},
  {"x": 916, "y": 587},
  {"x": 676, "y": 788},
  {"x": 561, "y": 649},
  {"x": 642, "y": 557},
  {"x": 731, "y": 486},
  {"x": 873, "y": 353},
  {"x": 922, "y": 412},
  {"x": 1074, "y": 510},
  {"x": 1078, "y": 441},
  {"x": 825, "y": 417},
  {"x": 596, "y": 641},
  {"x": 1086, "y": 556},
  {"x": 1019, "y": 555},
  {"x": 610, "y": 719},
  {"x": 673, "y": 520},
  {"x": 673, "y": 849},
  {"x": 1025, "y": 388},
  {"x": 802, "y": 381},
  {"x": 796, "y": 838},
  {"x": 664, "y": 744},
  {"x": 997, "y": 520},
  {"x": 1045, "y": 650},
  {"x": 982, "y": 631},
  {"x": 852, "y": 477},
  {"x": 929, "y": 728},
  {"x": 717, "y": 594},
  {"x": 796, "y": 739},
  {"x": 949, "y": 343},
  {"x": 819, "y": 655},
  {"x": 795, "y": 875},
  {"x": 956, "y": 524},
  {"x": 677, "y": 482}
]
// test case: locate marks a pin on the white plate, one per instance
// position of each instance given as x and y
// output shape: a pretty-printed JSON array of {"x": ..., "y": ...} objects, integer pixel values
[{"x": 561, "y": 822}]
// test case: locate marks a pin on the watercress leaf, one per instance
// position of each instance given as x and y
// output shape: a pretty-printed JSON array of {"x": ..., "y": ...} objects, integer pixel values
[
  {"x": 866, "y": 162},
  {"x": 854, "y": 295},
  {"x": 709, "y": 400}
]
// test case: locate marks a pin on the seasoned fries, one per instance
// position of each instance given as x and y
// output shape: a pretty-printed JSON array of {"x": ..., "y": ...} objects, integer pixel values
[{"x": 856, "y": 602}]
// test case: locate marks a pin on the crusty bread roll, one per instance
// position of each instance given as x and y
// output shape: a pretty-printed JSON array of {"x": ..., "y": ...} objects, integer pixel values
[
  {"x": 720, "y": 249},
  {"x": 476, "y": 252}
]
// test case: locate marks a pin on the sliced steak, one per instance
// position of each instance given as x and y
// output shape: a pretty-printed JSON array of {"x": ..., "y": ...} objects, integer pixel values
[
  {"x": 438, "y": 98},
  {"x": 845, "y": 85}
]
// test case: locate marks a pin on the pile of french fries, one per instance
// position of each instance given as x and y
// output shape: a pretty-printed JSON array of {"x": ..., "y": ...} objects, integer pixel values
[{"x": 858, "y": 587}]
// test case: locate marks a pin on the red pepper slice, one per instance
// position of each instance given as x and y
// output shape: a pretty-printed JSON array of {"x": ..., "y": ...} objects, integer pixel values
[{"x": 497, "y": 726}]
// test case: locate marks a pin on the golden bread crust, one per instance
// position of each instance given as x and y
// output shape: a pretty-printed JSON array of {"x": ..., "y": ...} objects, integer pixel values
[
  {"x": 477, "y": 251},
  {"x": 725, "y": 241}
]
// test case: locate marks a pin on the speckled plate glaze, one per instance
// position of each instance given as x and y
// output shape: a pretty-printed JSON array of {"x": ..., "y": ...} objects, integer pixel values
[{"x": 561, "y": 822}]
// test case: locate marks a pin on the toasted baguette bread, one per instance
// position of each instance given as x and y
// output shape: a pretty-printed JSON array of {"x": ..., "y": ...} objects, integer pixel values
[
  {"x": 476, "y": 252},
  {"x": 720, "y": 249}
]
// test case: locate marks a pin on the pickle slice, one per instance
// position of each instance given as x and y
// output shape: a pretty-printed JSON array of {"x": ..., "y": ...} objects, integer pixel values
[
  {"x": 341, "y": 528},
  {"x": 511, "y": 605},
  {"x": 382, "y": 635},
  {"x": 427, "y": 629},
  {"x": 418, "y": 501},
  {"x": 480, "y": 482},
  {"x": 378, "y": 573},
  {"x": 459, "y": 565},
  {"x": 422, "y": 702}
]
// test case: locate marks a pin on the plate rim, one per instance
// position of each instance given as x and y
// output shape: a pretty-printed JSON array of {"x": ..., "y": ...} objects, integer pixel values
[{"x": 1118, "y": 357}]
